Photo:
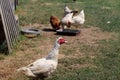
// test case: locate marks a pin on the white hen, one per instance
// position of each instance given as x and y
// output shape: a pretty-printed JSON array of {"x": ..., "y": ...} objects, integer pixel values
[
  {"x": 79, "y": 19},
  {"x": 43, "y": 67},
  {"x": 69, "y": 19},
  {"x": 66, "y": 21},
  {"x": 67, "y": 10}
]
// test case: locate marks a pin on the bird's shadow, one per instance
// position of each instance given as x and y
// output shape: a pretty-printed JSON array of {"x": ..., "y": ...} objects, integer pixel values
[
  {"x": 40, "y": 77},
  {"x": 68, "y": 32}
]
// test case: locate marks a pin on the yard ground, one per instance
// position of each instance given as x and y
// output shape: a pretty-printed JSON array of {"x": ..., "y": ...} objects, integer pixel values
[{"x": 94, "y": 54}]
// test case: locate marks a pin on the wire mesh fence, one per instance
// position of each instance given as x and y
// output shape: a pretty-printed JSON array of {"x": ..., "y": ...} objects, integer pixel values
[{"x": 9, "y": 25}]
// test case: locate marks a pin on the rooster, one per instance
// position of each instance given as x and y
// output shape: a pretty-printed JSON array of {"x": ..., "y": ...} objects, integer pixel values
[
  {"x": 55, "y": 22},
  {"x": 43, "y": 67},
  {"x": 69, "y": 19}
]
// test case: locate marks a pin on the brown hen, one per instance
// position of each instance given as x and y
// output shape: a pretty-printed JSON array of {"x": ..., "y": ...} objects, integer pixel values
[{"x": 55, "y": 22}]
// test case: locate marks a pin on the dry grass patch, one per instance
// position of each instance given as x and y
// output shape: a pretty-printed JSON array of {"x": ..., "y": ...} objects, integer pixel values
[{"x": 93, "y": 34}]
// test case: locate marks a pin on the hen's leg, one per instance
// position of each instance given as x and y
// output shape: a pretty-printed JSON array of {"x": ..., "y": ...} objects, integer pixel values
[{"x": 63, "y": 26}]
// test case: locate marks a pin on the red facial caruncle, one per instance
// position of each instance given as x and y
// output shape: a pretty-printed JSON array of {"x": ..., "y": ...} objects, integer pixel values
[{"x": 61, "y": 41}]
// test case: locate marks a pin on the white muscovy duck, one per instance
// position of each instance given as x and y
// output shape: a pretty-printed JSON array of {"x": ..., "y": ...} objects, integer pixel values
[
  {"x": 43, "y": 67},
  {"x": 69, "y": 19}
]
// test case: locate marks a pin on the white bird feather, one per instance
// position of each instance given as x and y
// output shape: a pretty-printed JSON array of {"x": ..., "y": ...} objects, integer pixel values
[
  {"x": 46, "y": 65},
  {"x": 69, "y": 19},
  {"x": 79, "y": 19},
  {"x": 67, "y": 10}
]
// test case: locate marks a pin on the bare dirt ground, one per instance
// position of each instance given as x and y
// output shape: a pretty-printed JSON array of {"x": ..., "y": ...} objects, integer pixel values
[{"x": 39, "y": 47}]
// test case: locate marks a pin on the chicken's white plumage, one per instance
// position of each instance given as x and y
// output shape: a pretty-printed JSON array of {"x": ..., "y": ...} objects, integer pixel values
[
  {"x": 79, "y": 19},
  {"x": 44, "y": 66},
  {"x": 69, "y": 19},
  {"x": 67, "y": 10}
]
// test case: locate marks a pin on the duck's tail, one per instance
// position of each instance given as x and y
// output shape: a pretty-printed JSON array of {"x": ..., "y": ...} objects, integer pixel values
[{"x": 26, "y": 71}]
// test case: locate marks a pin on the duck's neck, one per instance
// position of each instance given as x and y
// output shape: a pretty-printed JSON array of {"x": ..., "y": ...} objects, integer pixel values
[{"x": 53, "y": 55}]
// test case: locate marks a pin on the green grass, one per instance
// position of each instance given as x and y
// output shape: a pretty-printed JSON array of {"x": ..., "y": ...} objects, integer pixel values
[
  {"x": 98, "y": 12},
  {"x": 106, "y": 63}
]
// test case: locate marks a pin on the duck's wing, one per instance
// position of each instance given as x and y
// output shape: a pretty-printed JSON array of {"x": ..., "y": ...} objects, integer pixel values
[{"x": 43, "y": 66}]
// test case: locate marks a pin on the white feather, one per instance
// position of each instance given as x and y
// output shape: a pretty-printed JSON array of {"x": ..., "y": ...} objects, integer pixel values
[
  {"x": 67, "y": 10},
  {"x": 79, "y": 19},
  {"x": 73, "y": 20},
  {"x": 45, "y": 65}
]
